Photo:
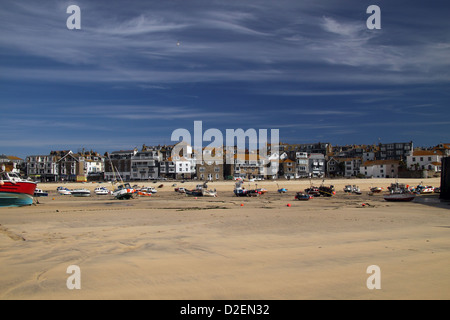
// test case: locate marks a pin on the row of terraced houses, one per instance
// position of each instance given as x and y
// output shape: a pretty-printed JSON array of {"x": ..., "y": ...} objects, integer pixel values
[{"x": 294, "y": 161}]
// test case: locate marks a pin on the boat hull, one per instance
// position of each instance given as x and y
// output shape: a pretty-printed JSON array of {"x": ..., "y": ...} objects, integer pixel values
[
  {"x": 8, "y": 199},
  {"x": 18, "y": 187},
  {"x": 124, "y": 194},
  {"x": 16, "y": 194},
  {"x": 399, "y": 197},
  {"x": 81, "y": 193}
]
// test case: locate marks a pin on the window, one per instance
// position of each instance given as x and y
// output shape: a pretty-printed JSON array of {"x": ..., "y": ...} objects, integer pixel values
[
  {"x": 421, "y": 158},
  {"x": 429, "y": 158}
]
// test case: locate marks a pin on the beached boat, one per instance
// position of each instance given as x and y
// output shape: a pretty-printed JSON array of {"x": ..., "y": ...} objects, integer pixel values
[
  {"x": 282, "y": 190},
  {"x": 123, "y": 192},
  {"x": 427, "y": 189},
  {"x": 64, "y": 191},
  {"x": 356, "y": 190},
  {"x": 209, "y": 193},
  {"x": 240, "y": 192},
  {"x": 313, "y": 191},
  {"x": 327, "y": 191},
  {"x": 398, "y": 192},
  {"x": 303, "y": 196},
  {"x": 15, "y": 191},
  {"x": 194, "y": 192},
  {"x": 180, "y": 190},
  {"x": 149, "y": 190},
  {"x": 399, "y": 197},
  {"x": 376, "y": 190},
  {"x": 81, "y": 193},
  {"x": 143, "y": 193},
  {"x": 261, "y": 190},
  {"x": 101, "y": 191},
  {"x": 348, "y": 188},
  {"x": 40, "y": 193}
]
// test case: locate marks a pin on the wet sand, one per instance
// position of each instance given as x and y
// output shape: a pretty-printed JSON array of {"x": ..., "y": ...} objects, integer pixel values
[{"x": 170, "y": 246}]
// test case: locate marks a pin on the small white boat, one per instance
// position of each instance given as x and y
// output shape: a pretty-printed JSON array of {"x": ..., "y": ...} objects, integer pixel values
[
  {"x": 101, "y": 191},
  {"x": 427, "y": 189},
  {"x": 149, "y": 190},
  {"x": 356, "y": 190},
  {"x": 64, "y": 191},
  {"x": 40, "y": 193},
  {"x": 209, "y": 193},
  {"x": 81, "y": 193}
]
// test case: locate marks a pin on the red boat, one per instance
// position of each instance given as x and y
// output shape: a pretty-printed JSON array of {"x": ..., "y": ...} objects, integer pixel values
[{"x": 15, "y": 191}]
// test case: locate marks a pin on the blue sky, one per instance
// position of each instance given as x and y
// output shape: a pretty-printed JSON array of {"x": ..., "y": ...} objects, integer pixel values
[{"x": 138, "y": 70}]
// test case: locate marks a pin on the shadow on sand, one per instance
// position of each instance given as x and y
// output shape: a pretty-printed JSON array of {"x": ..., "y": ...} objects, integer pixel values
[{"x": 432, "y": 200}]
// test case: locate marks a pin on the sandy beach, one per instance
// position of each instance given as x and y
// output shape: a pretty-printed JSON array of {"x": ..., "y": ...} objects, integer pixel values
[{"x": 170, "y": 246}]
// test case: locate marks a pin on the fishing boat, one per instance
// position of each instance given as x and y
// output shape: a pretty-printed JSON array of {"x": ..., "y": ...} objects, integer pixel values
[
  {"x": 348, "y": 188},
  {"x": 282, "y": 190},
  {"x": 327, "y": 191},
  {"x": 101, "y": 191},
  {"x": 376, "y": 190},
  {"x": 398, "y": 192},
  {"x": 15, "y": 191},
  {"x": 81, "y": 193},
  {"x": 253, "y": 193},
  {"x": 123, "y": 192},
  {"x": 40, "y": 193},
  {"x": 239, "y": 191},
  {"x": 313, "y": 191}
]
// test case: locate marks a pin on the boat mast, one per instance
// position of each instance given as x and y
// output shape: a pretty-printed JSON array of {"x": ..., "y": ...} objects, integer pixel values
[{"x": 113, "y": 170}]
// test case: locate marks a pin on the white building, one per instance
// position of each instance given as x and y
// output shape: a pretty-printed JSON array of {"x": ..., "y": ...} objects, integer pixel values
[
  {"x": 380, "y": 168},
  {"x": 425, "y": 160}
]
